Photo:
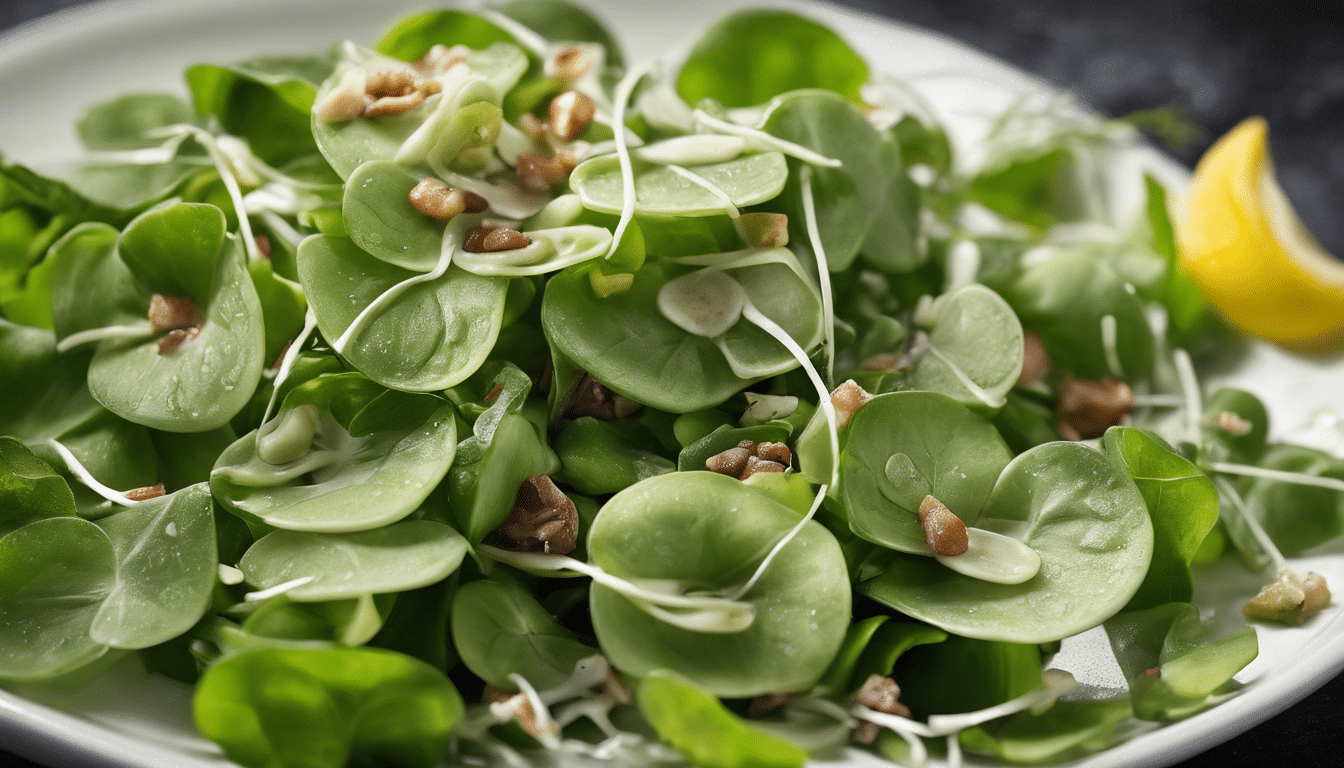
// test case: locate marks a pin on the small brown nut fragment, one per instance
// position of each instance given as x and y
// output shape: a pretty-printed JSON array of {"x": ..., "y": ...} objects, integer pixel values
[
  {"x": 493, "y": 694},
  {"x": 623, "y": 407},
  {"x": 731, "y": 462},
  {"x": 172, "y": 340},
  {"x": 1035, "y": 360},
  {"x": 763, "y": 230},
  {"x": 1086, "y": 409},
  {"x": 1154, "y": 672},
  {"x": 523, "y": 712},
  {"x": 263, "y": 244},
  {"x": 570, "y": 62},
  {"x": 776, "y": 452},
  {"x": 590, "y": 398},
  {"x": 866, "y": 732},
  {"x": 396, "y": 91},
  {"x": 887, "y": 362},
  {"x": 615, "y": 686},
  {"x": 882, "y": 694},
  {"x": 440, "y": 59},
  {"x": 570, "y": 113},
  {"x": 1230, "y": 423},
  {"x": 440, "y": 201},
  {"x": 347, "y": 100},
  {"x": 767, "y": 703},
  {"x": 944, "y": 532},
  {"x": 493, "y": 394},
  {"x": 167, "y": 313},
  {"x": 539, "y": 173},
  {"x": 146, "y": 493},
  {"x": 750, "y": 445},
  {"x": 531, "y": 125},
  {"x": 847, "y": 399},
  {"x": 543, "y": 519},
  {"x": 756, "y": 464},
  {"x": 1291, "y": 599},
  {"x": 495, "y": 240}
]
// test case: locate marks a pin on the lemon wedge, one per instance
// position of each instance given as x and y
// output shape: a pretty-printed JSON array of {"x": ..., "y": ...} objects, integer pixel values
[{"x": 1243, "y": 244}]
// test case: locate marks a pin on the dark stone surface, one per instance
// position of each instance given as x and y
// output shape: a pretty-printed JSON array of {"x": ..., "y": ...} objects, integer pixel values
[{"x": 1216, "y": 60}]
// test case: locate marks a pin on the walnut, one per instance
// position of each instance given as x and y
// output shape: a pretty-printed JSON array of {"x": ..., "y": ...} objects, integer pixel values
[
  {"x": 1035, "y": 360},
  {"x": 440, "y": 59},
  {"x": 847, "y": 399},
  {"x": 543, "y": 519},
  {"x": 767, "y": 703},
  {"x": 396, "y": 91},
  {"x": 569, "y": 62},
  {"x": 748, "y": 458},
  {"x": 1230, "y": 423},
  {"x": 539, "y": 173},
  {"x": 263, "y": 245},
  {"x": 569, "y": 114},
  {"x": 172, "y": 340},
  {"x": 493, "y": 394},
  {"x": 1292, "y": 598},
  {"x": 944, "y": 532},
  {"x": 1086, "y": 409},
  {"x": 763, "y": 230},
  {"x": 1153, "y": 672},
  {"x": 146, "y": 493},
  {"x": 885, "y": 362},
  {"x": 347, "y": 100},
  {"x": 167, "y": 313},
  {"x": 520, "y": 706},
  {"x": 495, "y": 239},
  {"x": 883, "y": 695},
  {"x": 590, "y": 398},
  {"x": 440, "y": 201},
  {"x": 494, "y": 694},
  {"x": 531, "y": 125}
]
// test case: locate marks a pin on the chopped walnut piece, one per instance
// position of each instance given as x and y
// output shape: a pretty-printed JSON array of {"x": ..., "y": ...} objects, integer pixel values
[
  {"x": 1086, "y": 409},
  {"x": 1035, "y": 360},
  {"x": 756, "y": 464},
  {"x": 539, "y": 173},
  {"x": 776, "y": 452},
  {"x": 590, "y": 398},
  {"x": 750, "y": 445},
  {"x": 493, "y": 694},
  {"x": 495, "y": 240},
  {"x": 440, "y": 201},
  {"x": 543, "y": 519},
  {"x": 944, "y": 532},
  {"x": 763, "y": 230},
  {"x": 767, "y": 703},
  {"x": 493, "y": 394},
  {"x": 172, "y": 340},
  {"x": 887, "y": 362},
  {"x": 570, "y": 62},
  {"x": 731, "y": 462},
  {"x": 146, "y": 493},
  {"x": 614, "y": 686},
  {"x": 440, "y": 59},
  {"x": 1291, "y": 599},
  {"x": 882, "y": 694},
  {"x": 531, "y": 125},
  {"x": 847, "y": 399},
  {"x": 569, "y": 114},
  {"x": 1154, "y": 672},
  {"x": 167, "y": 313},
  {"x": 1230, "y": 423},
  {"x": 396, "y": 91},
  {"x": 263, "y": 245},
  {"x": 521, "y": 707},
  {"x": 866, "y": 732},
  {"x": 347, "y": 100}
]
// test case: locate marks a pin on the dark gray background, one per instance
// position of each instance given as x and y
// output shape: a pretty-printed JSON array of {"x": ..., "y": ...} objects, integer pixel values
[{"x": 1216, "y": 60}]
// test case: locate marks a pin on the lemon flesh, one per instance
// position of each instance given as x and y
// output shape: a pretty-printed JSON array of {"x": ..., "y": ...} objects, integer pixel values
[{"x": 1243, "y": 244}]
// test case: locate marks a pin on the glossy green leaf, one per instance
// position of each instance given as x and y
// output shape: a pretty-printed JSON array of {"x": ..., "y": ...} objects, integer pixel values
[
  {"x": 411, "y": 36},
  {"x": 974, "y": 352},
  {"x": 1068, "y": 730},
  {"x": 30, "y": 490},
  {"x": 125, "y": 122},
  {"x": 600, "y": 457},
  {"x": 962, "y": 674},
  {"x": 499, "y": 629},
  {"x": 1298, "y": 517},
  {"x": 1222, "y": 445},
  {"x": 381, "y": 220},
  {"x": 659, "y": 190},
  {"x": 265, "y": 101},
  {"x": 752, "y": 56},
  {"x": 560, "y": 21},
  {"x": 91, "y": 286},
  {"x": 1079, "y": 512}
]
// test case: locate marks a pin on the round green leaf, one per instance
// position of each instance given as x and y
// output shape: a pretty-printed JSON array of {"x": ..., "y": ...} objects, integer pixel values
[{"x": 746, "y": 180}]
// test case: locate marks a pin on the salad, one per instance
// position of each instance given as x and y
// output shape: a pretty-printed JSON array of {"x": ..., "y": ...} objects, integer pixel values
[{"x": 484, "y": 398}]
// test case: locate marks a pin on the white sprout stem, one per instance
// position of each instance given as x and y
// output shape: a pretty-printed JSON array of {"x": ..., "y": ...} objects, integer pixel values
[
  {"x": 1109, "y": 345},
  {"x": 624, "y": 90},
  {"x": 754, "y": 315},
  {"x": 522, "y": 33},
  {"x": 163, "y": 153},
  {"x": 1194, "y": 407},
  {"x": 87, "y": 478},
  {"x": 765, "y": 139},
  {"x": 954, "y": 751},
  {"x": 286, "y": 363},
  {"x": 279, "y": 226},
  {"x": 1275, "y": 556},
  {"x": 278, "y": 589},
  {"x": 729, "y": 207},
  {"x": 207, "y": 140},
  {"x": 546, "y": 727},
  {"x": 1054, "y": 684},
  {"x": 823, "y": 270},
  {"x": 542, "y": 562},
  {"x": 783, "y": 542},
  {"x": 1298, "y": 478},
  {"x": 966, "y": 381},
  {"x": 1159, "y": 401},
  {"x": 449, "y": 244},
  {"x": 894, "y": 722},
  {"x": 270, "y": 173},
  {"x": 81, "y": 338}
]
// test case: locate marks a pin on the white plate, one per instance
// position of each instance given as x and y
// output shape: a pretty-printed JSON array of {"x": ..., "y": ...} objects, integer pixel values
[{"x": 56, "y": 68}]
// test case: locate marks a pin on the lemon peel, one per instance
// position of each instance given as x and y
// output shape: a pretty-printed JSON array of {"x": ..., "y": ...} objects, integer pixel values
[{"x": 1244, "y": 246}]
